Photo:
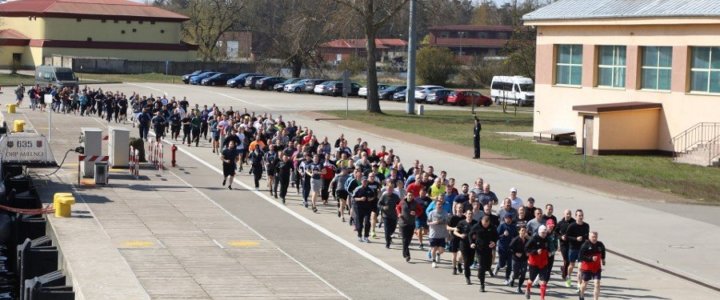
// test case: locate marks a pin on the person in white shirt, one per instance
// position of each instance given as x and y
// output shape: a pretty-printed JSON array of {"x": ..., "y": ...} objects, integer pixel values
[{"x": 515, "y": 201}]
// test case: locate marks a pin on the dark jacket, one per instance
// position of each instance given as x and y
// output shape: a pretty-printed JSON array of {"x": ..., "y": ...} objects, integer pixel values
[
  {"x": 482, "y": 236},
  {"x": 403, "y": 210}
]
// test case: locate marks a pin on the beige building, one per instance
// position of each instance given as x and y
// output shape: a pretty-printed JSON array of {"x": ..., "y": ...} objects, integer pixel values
[
  {"x": 33, "y": 29},
  {"x": 629, "y": 76}
]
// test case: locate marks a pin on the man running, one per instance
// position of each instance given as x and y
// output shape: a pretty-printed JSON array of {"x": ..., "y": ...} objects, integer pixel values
[
  {"x": 561, "y": 231},
  {"x": 363, "y": 195},
  {"x": 577, "y": 233},
  {"x": 283, "y": 168},
  {"x": 484, "y": 237},
  {"x": 537, "y": 251},
  {"x": 407, "y": 211},
  {"x": 256, "y": 166},
  {"x": 229, "y": 158},
  {"x": 520, "y": 259},
  {"x": 506, "y": 232},
  {"x": 437, "y": 220},
  {"x": 592, "y": 258},
  {"x": 387, "y": 203}
]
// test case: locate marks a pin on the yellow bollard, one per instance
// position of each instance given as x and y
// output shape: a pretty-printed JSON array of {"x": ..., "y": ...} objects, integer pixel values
[
  {"x": 11, "y": 108},
  {"x": 18, "y": 125},
  {"x": 62, "y": 202}
]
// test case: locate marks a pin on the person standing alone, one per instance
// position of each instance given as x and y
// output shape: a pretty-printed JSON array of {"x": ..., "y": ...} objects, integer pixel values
[{"x": 476, "y": 137}]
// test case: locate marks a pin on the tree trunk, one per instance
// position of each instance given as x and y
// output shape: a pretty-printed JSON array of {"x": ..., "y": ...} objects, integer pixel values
[
  {"x": 296, "y": 65},
  {"x": 373, "y": 103}
]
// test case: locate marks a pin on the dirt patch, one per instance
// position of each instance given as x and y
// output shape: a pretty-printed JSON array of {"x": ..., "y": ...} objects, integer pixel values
[{"x": 611, "y": 188}]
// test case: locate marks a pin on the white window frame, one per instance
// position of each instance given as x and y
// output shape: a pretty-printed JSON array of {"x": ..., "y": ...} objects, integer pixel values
[
  {"x": 709, "y": 70},
  {"x": 657, "y": 68},
  {"x": 569, "y": 65},
  {"x": 613, "y": 68}
]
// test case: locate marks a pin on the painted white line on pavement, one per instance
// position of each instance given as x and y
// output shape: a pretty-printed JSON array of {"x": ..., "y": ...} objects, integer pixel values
[
  {"x": 319, "y": 228},
  {"x": 257, "y": 233},
  {"x": 216, "y": 242}
]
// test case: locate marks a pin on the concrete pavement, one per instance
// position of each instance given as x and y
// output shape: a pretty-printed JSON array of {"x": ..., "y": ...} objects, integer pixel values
[{"x": 631, "y": 280}]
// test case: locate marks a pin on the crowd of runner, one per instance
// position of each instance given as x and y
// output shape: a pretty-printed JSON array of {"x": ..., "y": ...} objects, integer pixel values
[{"x": 371, "y": 187}]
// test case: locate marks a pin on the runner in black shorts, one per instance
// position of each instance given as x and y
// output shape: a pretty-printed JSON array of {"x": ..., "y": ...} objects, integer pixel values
[
  {"x": 454, "y": 248},
  {"x": 537, "y": 252},
  {"x": 229, "y": 158},
  {"x": 592, "y": 258}
]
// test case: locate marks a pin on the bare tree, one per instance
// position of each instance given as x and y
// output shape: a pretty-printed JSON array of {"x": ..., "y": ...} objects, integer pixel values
[
  {"x": 374, "y": 15},
  {"x": 209, "y": 20}
]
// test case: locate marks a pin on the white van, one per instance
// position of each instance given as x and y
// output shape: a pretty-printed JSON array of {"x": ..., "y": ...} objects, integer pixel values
[{"x": 513, "y": 90}]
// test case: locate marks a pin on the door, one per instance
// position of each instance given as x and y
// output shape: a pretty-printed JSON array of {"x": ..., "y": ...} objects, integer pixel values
[{"x": 588, "y": 135}]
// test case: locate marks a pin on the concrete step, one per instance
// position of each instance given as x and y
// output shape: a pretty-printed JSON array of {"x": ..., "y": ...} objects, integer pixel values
[{"x": 699, "y": 156}]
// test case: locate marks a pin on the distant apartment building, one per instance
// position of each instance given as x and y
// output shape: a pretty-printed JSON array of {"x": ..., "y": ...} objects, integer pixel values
[
  {"x": 629, "y": 76},
  {"x": 471, "y": 41},
  {"x": 31, "y": 30},
  {"x": 342, "y": 49}
]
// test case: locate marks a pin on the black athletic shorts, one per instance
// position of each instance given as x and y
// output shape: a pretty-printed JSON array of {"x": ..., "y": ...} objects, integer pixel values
[
  {"x": 544, "y": 273},
  {"x": 228, "y": 170},
  {"x": 342, "y": 194},
  {"x": 454, "y": 245},
  {"x": 588, "y": 275}
]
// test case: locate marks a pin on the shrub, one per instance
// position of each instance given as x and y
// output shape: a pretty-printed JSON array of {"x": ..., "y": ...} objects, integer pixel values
[{"x": 436, "y": 65}]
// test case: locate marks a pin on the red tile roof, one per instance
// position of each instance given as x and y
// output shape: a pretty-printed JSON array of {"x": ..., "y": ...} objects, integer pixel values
[
  {"x": 110, "y": 9},
  {"x": 360, "y": 43},
  {"x": 12, "y": 34}
]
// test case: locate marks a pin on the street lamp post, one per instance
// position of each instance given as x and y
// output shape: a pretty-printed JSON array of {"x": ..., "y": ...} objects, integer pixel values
[{"x": 412, "y": 42}]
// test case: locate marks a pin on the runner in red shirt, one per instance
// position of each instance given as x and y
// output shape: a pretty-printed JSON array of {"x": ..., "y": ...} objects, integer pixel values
[
  {"x": 592, "y": 258},
  {"x": 538, "y": 253}
]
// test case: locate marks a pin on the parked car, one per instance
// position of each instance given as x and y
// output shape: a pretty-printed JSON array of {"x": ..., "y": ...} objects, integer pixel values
[
  {"x": 239, "y": 81},
  {"x": 311, "y": 83},
  {"x": 513, "y": 90},
  {"x": 387, "y": 93},
  {"x": 421, "y": 92},
  {"x": 195, "y": 80},
  {"x": 297, "y": 87},
  {"x": 362, "y": 92},
  {"x": 439, "y": 96},
  {"x": 219, "y": 79},
  {"x": 336, "y": 89},
  {"x": 400, "y": 95},
  {"x": 324, "y": 88},
  {"x": 468, "y": 98},
  {"x": 186, "y": 77},
  {"x": 278, "y": 87},
  {"x": 267, "y": 83},
  {"x": 251, "y": 80}
]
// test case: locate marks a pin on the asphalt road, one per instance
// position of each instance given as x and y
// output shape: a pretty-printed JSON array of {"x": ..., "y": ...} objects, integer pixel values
[{"x": 368, "y": 271}]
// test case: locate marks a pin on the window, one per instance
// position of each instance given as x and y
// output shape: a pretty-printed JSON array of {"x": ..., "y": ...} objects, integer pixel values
[
  {"x": 152, "y": 22},
  {"x": 134, "y": 29},
  {"x": 656, "y": 68},
  {"x": 705, "y": 71},
  {"x": 162, "y": 30},
  {"x": 115, "y": 21},
  {"x": 140, "y": 22},
  {"x": 568, "y": 67},
  {"x": 122, "y": 31},
  {"x": 611, "y": 66},
  {"x": 103, "y": 21},
  {"x": 89, "y": 39},
  {"x": 78, "y": 20}
]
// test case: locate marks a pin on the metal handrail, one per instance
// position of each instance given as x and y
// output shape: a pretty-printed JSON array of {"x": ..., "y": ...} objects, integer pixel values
[
  {"x": 699, "y": 134},
  {"x": 713, "y": 150}
]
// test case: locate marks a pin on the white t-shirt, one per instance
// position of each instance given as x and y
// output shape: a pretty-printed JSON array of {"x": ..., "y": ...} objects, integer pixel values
[{"x": 516, "y": 203}]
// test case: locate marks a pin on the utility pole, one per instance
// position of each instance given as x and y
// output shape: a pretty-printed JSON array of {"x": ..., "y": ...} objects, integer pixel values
[{"x": 412, "y": 45}]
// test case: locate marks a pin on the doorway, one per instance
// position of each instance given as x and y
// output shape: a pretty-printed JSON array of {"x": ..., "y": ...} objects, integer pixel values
[{"x": 588, "y": 135}]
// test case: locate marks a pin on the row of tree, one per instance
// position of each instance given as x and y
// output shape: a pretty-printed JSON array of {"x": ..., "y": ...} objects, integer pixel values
[{"x": 293, "y": 30}]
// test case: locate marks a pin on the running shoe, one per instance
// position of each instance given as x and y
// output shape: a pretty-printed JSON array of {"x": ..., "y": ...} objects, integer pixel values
[
  {"x": 429, "y": 255},
  {"x": 374, "y": 235},
  {"x": 527, "y": 293},
  {"x": 360, "y": 239},
  {"x": 224, "y": 181},
  {"x": 568, "y": 283},
  {"x": 434, "y": 265}
]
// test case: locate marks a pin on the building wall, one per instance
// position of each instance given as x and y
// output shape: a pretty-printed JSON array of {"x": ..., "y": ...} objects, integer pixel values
[
  {"x": 6, "y": 55},
  {"x": 681, "y": 109},
  {"x": 29, "y": 26},
  {"x": 144, "y": 55},
  {"x": 71, "y": 29},
  {"x": 614, "y": 127}
]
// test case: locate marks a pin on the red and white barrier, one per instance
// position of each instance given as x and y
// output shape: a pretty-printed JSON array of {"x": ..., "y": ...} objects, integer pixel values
[
  {"x": 88, "y": 159},
  {"x": 156, "y": 155}
]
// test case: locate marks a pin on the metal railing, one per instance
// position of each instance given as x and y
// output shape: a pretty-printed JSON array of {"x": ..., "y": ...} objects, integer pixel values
[
  {"x": 713, "y": 150},
  {"x": 700, "y": 134}
]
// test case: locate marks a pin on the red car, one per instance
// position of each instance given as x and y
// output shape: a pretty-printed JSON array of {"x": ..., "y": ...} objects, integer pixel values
[{"x": 468, "y": 98}]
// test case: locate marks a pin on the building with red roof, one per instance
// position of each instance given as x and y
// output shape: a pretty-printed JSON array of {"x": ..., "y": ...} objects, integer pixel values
[
  {"x": 470, "y": 41},
  {"x": 342, "y": 49},
  {"x": 31, "y": 30}
]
